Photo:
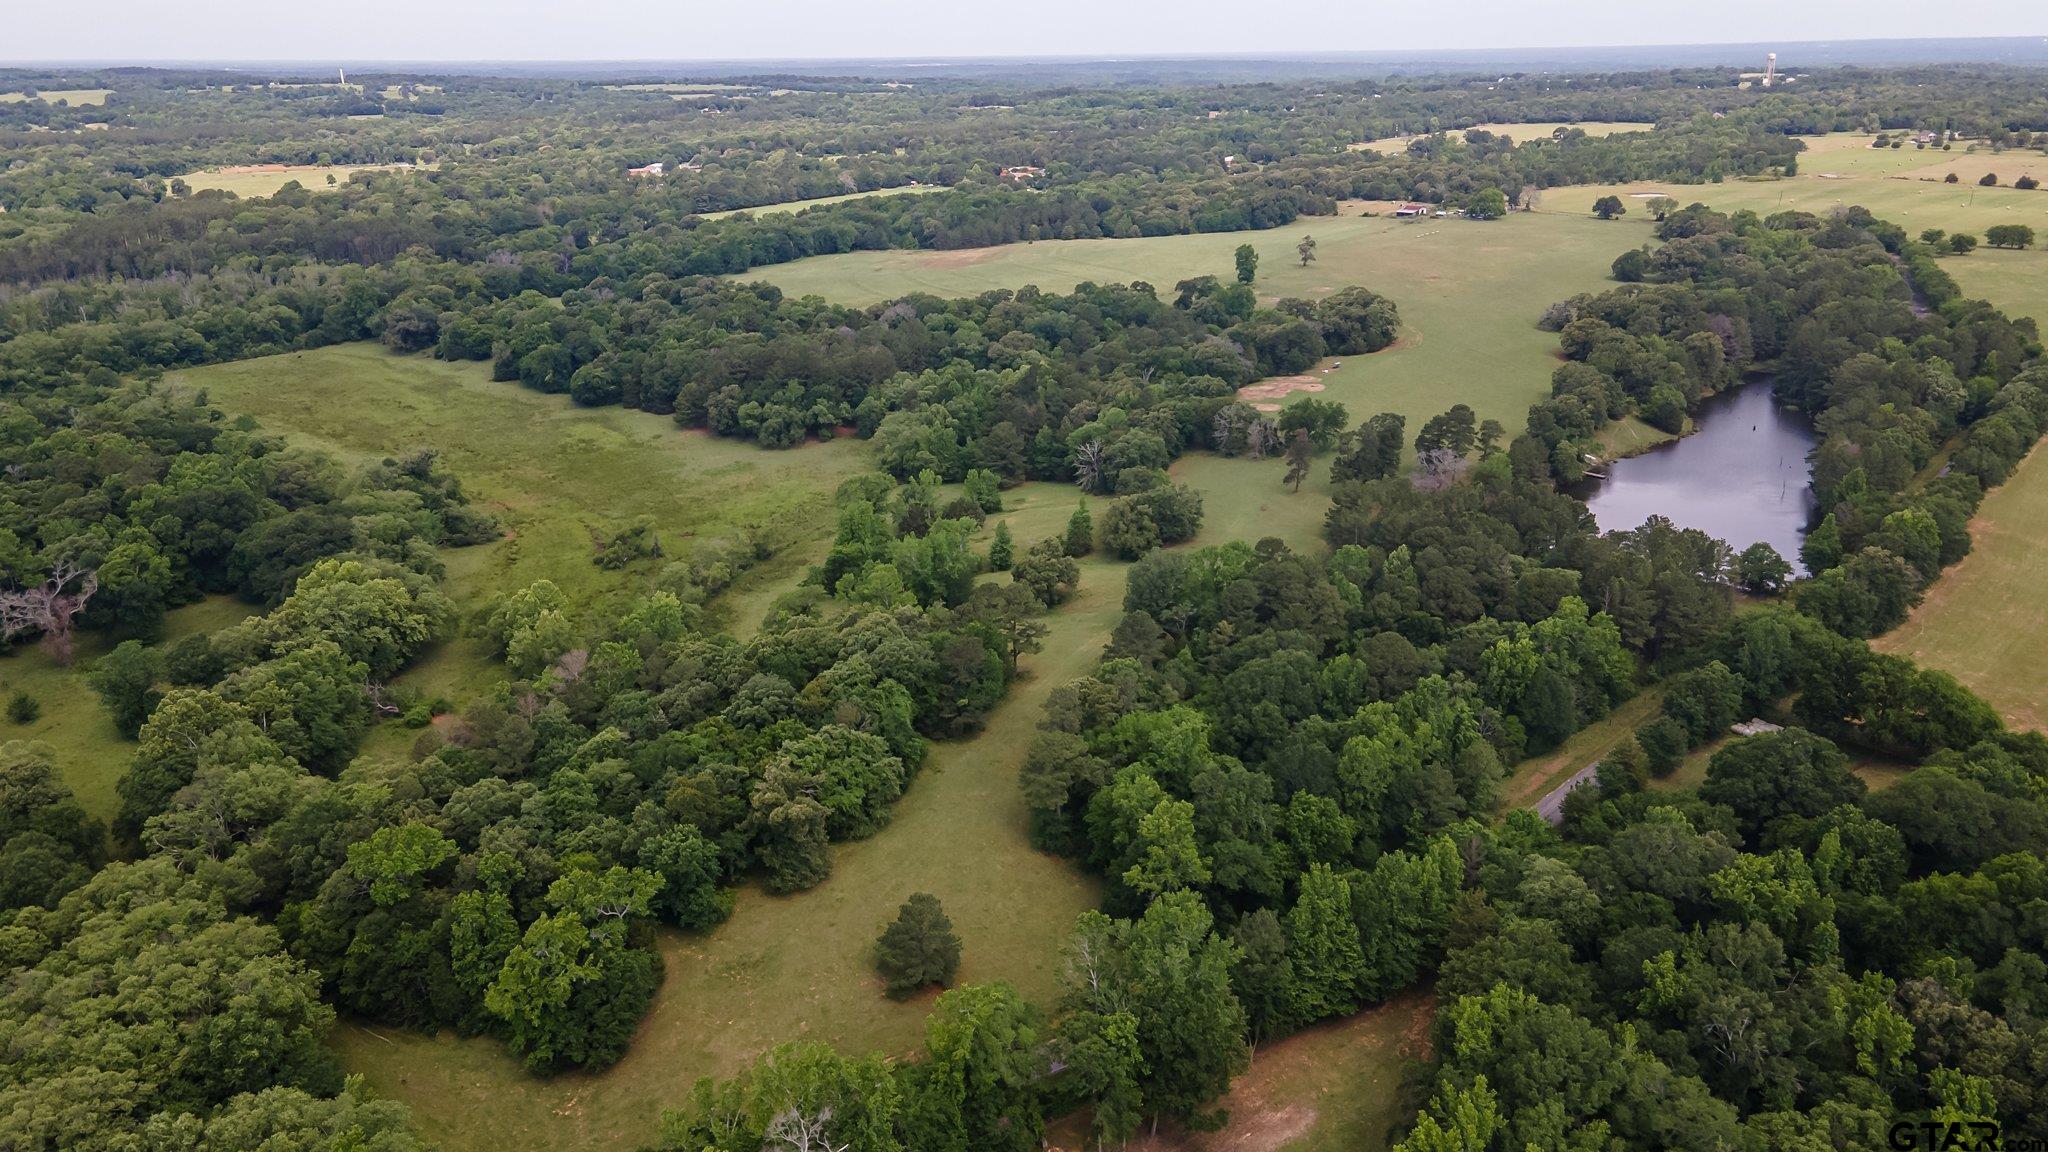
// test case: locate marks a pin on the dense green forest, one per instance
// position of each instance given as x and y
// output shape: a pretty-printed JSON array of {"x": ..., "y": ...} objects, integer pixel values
[{"x": 1287, "y": 768}]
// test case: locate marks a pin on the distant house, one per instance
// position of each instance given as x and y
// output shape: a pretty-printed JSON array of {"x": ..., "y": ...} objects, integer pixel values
[
  {"x": 654, "y": 169},
  {"x": 1413, "y": 210},
  {"x": 1023, "y": 172}
]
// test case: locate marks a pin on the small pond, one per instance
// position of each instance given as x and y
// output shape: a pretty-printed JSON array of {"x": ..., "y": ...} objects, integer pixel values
[{"x": 1742, "y": 476}]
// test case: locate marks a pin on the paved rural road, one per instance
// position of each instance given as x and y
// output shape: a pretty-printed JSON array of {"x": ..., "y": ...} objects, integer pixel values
[{"x": 1551, "y": 807}]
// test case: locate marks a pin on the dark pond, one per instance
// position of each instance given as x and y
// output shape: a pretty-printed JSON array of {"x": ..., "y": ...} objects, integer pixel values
[{"x": 1742, "y": 476}]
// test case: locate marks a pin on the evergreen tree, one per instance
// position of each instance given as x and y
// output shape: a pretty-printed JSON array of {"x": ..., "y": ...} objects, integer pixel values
[
  {"x": 1322, "y": 948},
  {"x": 1001, "y": 550},
  {"x": 1080, "y": 539},
  {"x": 918, "y": 948}
]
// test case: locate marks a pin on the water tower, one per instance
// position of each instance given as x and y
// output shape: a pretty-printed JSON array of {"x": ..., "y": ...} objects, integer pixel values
[{"x": 1770, "y": 68}]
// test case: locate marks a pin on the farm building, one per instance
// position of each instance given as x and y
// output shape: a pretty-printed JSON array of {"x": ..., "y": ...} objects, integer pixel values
[
  {"x": 654, "y": 169},
  {"x": 1412, "y": 210},
  {"x": 1023, "y": 172}
]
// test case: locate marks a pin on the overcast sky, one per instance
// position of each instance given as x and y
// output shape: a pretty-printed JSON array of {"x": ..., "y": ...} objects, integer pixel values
[{"x": 755, "y": 29}]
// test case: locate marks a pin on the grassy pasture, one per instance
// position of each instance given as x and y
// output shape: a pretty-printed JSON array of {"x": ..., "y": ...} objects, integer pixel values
[
  {"x": 75, "y": 97},
  {"x": 253, "y": 180},
  {"x": 1842, "y": 170},
  {"x": 798, "y": 967},
  {"x": 90, "y": 753},
  {"x": 558, "y": 477},
  {"x": 822, "y": 201},
  {"x": 1522, "y": 133},
  {"x": 1469, "y": 292},
  {"x": 1985, "y": 620}
]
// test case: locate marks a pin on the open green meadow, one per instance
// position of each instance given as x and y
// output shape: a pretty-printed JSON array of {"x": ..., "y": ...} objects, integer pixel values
[
  {"x": 1470, "y": 292},
  {"x": 782, "y": 967},
  {"x": 1898, "y": 184},
  {"x": 90, "y": 753},
  {"x": 560, "y": 478},
  {"x": 1985, "y": 621}
]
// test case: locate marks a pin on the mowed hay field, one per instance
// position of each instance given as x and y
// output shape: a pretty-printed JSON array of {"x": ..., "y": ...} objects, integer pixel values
[
  {"x": 75, "y": 97},
  {"x": 1470, "y": 294},
  {"x": 252, "y": 180}
]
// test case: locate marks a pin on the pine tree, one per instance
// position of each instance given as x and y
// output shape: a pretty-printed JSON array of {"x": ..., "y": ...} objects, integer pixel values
[
  {"x": 1298, "y": 458},
  {"x": 1003, "y": 551},
  {"x": 1323, "y": 948},
  {"x": 919, "y": 948},
  {"x": 1080, "y": 532}
]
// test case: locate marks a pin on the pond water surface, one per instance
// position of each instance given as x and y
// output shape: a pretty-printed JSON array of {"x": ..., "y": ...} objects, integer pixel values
[{"x": 1742, "y": 476}]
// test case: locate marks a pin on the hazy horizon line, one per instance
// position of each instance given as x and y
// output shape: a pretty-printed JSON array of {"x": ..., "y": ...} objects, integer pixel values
[{"x": 942, "y": 59}]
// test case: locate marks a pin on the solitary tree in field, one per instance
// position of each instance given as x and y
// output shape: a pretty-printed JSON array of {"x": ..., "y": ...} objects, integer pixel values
[
  {"x": 1608, "y": 207},
  {"x": 1307, "y": 248},
  {"x": 1951, "y": 178},
  {"x": 1247, "y": 263},
  {"x": 919, "y": 948},
  {"x": 1962, "y": 243},
  {"x": 1298, "y": 456},
  {"x": 1661, "y": 206},
  {"x": 1932, "y": 235},
  {"x": 1988, "y": 180},
  {"x": 2026, "y": 183}
]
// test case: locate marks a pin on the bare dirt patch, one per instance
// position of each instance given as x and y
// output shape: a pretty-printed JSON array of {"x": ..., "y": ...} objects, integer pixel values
[
  {"x": 1333, "y": 1086},
  {"x": 1266, "y": 395}
]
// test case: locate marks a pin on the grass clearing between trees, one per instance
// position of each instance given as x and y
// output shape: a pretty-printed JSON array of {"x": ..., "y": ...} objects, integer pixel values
[
  {"x": 1841, "y": 170},
  {"x": 1986, "y": 621},
  {"x": 558, "y": 477},
  {"x": 75, "y": 97},
  {"x": 1470, "y": 293},
  {"x": 251, "y": 180},
  {"x": 798, "y": 967},
  {"x": 822, "y": 201},
  {"x": 1520, "y": 133},
  {"x": 90, "y": 752},
  {"x": 1334, "y": 1087}
]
